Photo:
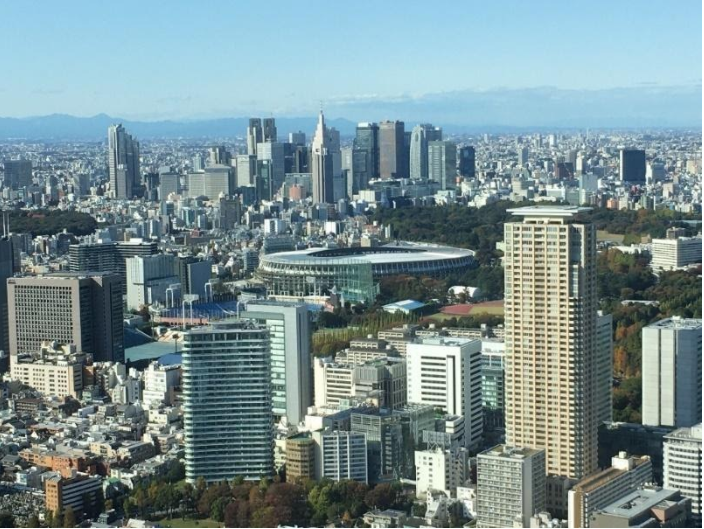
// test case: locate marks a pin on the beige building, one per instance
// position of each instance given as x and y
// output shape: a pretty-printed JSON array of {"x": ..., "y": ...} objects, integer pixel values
[
  {"x": 54, "y": 370},
  {"x": 551, "y": 339},
  {"x": 300, "y": 457},
  {"x": 597, "y": 491}
]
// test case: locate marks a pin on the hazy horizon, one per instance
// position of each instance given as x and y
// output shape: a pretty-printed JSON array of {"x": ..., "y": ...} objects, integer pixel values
[{"x": 507, "y": 63}]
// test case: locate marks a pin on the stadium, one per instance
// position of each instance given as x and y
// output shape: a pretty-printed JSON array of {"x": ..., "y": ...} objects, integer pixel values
[{"x": 354, "y": 273}]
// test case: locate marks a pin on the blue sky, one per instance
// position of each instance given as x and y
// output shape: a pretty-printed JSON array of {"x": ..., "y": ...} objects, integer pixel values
[{"x": 175, "y": 59}]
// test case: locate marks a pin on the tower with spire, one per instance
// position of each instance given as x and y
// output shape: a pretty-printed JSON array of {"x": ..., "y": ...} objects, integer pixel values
[{"x": 326, "y": 163}]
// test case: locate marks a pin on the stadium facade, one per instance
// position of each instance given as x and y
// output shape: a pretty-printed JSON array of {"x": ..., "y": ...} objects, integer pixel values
[{"x": 354, "y": 273}]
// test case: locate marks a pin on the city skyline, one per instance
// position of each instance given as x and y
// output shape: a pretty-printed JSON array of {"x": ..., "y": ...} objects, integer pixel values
[{"x": 370, "y": 264}]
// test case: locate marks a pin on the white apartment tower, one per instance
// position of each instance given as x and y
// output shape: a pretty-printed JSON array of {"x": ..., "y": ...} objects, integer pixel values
[
  {"x": 551, "y": 337},
  {"x": 446, "y": 373},
  {"x": 227, "y": 401},
  {"x": 510, "y": 486},
  {"x": 672, "y": 372}
]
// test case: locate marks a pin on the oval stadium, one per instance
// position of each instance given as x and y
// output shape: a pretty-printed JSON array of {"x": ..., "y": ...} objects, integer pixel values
[{"x": 354, "y": 273}]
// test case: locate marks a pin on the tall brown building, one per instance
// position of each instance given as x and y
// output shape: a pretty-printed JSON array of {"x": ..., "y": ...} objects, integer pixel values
[{"x": 393, "y": 163}]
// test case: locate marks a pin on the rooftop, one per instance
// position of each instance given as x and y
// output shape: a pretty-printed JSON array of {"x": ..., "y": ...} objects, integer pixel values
[
  {"x": 688, "y": 433},
  {"x": 677, "y": 323},
  {"x": 609, "y": 474},
  {"x": 510, "y": 452},
  {"x": 390, "y": 253},
  {"x": 638, "y": 501},
  {"x": 549, "y": 211}
]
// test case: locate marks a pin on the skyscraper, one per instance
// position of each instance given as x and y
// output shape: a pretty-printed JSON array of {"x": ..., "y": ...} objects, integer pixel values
[
  {"x": 255, "y": 135},
  {"x": 18, "y": 173},
  {"x": 108, "y": 256},
  {"x": 365, "y": 156},
  {"x": 218, "y": 155},
  {"x": 123, "y": 162},
  {"x": 442, "y": 163},
  {"x": 227, "y": 402},
  {"x": 468, "y": 164},
  {"x": 551, "y": 337},
  {"x": 297, "y": 138},
  {"x": 672, "y": 373},
  {"x": 392, "y": 143},
  {"x": 269, "y": 134},
  {"x": 82, "y": 310},
  {"x": 420, "y": 136},
  {"x": 274, "y": 152},
  {"x": 8, "y": 268},
  {"x": 632, "y": 166},
  {"x": 323, "y": 164},
  {"x": 291, "y": 370}
]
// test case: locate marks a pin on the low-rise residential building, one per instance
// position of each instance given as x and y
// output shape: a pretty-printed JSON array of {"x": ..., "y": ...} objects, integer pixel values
[{"x": 594, "y": 492}]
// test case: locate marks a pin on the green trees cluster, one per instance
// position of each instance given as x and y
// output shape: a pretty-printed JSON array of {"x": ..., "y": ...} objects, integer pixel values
[
  {"x": 639, "y": 223},
  {"x": 328, "y": 341},
  {"x": 266, "y": 503},
  {"x": 476, "y": 228},
  {"x": 627, "y": 277},
  {"x": 51, "y": 222}
]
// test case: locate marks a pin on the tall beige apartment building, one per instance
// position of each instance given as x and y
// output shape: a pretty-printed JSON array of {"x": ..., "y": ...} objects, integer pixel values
[{"x": 552, "y": 357}]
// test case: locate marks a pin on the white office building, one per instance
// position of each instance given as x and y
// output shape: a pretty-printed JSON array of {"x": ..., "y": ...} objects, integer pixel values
[
  {"x": 440, "y": 470},
  {"x": 683, "y": 466},
  {"x": 675, "y": 253},
  {"x": 148, "y": 278},
  {"x": 510, "y": 486},
  {"x": 447, "y": 373},
  {"x": 291, "y": 370},
  {"x": 340, "y": 455},
  {"x": 211, "y": 182},
  {"x": 672, "y": 372},
  {"x": 227, "y": 402}
]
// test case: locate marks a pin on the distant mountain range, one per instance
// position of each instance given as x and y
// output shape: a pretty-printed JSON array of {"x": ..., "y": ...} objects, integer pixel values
[
  {"x": 471, "y": 111},
  {"x": 65, "y": 127}
]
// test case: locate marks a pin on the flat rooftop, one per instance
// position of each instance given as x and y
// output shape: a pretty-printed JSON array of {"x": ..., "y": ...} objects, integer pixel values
[
  {"x": 446, "y": 341},
  {"x": 549, "y": 211},
  {"x": 639, "y": 501},
  {"x": 510, "y": 452},
  {"x": 693, "y": 433},
  {"x": 594, "y": 482},
  {"x": 676, "y": 323}
]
